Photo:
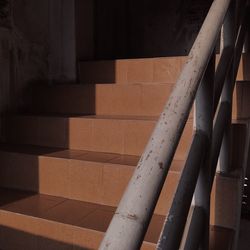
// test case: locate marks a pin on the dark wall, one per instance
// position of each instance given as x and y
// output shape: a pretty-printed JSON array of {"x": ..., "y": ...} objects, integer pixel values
[
  {"x": 23, "y": 51},
  {"x": 85, "y": 29},
  {"x": 147, "y": 28}
]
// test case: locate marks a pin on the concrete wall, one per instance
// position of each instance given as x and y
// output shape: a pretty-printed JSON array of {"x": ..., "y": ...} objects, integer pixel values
[
  {"x": 24, "y": 50},
  {"x": 38, "y": 43}
]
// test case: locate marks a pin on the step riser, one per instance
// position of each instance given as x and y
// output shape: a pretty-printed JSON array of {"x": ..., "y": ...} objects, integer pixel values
[
  {"x": 115, "y": 99},
  {"x": 241, "y": 101},
  {"x": 154, "y": 70},
  {"x": 63, "y": 99},
  {"x": 243, "y": 72},
  {"x": 147, "y": 70},
  {"x": 100, "y": 135},
  {"x": 102, "y": 99},
  {"x": 226, "y": 193}
]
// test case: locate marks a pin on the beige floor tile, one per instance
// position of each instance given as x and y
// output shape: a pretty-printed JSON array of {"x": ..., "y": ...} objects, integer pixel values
[{"x": 70, "y": 212}]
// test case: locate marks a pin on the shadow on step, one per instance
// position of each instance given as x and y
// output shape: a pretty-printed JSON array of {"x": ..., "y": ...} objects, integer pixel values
[
  {"x": 23, "y": 168},
  {"x": 102, "y": 72},
  {"x": 61, "y": 99},
  {"x": 11, "y": 238},
  {"x": 9, "y": 197}
]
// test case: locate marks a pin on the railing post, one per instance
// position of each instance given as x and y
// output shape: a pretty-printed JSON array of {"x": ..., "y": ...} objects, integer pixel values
[
  {"x": 224, "y": 108},
  {"x": 132, "y": 217},
  {"x": 195, "y": 232},
  {"x": 203, "y": 121},
  {"x": 174, "y": 224},
  {"x": 228, "y": 37}
]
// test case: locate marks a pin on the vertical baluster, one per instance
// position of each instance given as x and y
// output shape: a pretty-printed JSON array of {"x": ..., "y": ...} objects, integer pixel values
[
  {"x": 228, "y": 37},
  {"x": 204, "y": 122}
]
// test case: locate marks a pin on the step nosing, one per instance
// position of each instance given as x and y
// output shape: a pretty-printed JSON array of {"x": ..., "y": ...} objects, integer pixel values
[
  {"x": 89, "y": 117},
  {"x": 77, "y": 155}
]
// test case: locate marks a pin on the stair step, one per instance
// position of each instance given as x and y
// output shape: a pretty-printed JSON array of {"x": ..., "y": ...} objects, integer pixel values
[
  {"x": 35, "y": 221},
  {"x": 112, "y": 134},
  {"x": 117, "y": 99},
  {"x": 145, "y": 70},
  {"x": 102, "y": 178},
  {"x": 101, "y": 99},
  {"x": 75, "y": 174}
]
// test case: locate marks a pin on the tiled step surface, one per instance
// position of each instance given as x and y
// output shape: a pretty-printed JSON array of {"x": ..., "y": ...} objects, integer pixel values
[
  {"x": 100, "y": 99},
  {"x": 117, "y": 99},
  {"x": 113, "y": 134},
  {"x": 75, "y": 174},
  {"x": 31, "y": 221},
  {"x": 146, "y": 70},
  {"x": 101, "y": 178}
]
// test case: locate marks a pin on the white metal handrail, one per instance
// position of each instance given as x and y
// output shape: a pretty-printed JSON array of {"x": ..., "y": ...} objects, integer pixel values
[
  {"x": 132, "y": 217},
  {"x": 173, "y": 229}
]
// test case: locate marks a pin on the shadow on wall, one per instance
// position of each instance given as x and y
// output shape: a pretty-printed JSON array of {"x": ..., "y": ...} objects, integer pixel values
[{"x": 62, "y": 99}]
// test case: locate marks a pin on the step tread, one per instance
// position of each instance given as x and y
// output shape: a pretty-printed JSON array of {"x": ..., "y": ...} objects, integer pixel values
[
  {"x": 76, "y": 213},
  {"x": 86, "y": 215}
]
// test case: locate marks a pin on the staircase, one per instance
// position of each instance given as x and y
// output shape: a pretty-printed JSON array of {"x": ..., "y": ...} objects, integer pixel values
[{"x": 69, "y": 156}]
